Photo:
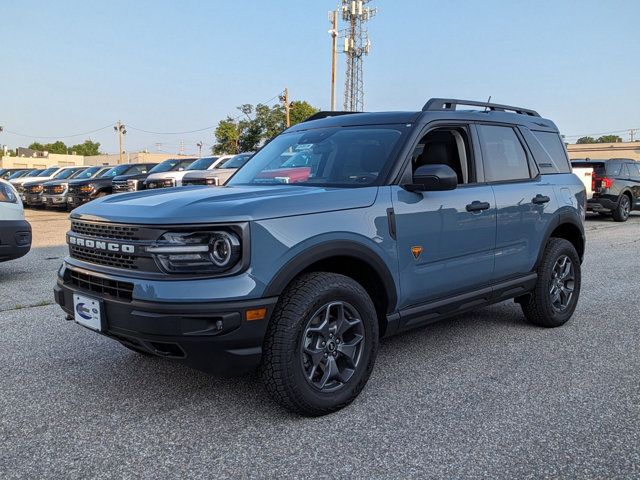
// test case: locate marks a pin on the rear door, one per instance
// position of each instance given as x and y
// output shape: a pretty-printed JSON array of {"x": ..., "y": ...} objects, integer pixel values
[
  {"x": 634, "y": 180},
  {"x": 525, "y": 200}
]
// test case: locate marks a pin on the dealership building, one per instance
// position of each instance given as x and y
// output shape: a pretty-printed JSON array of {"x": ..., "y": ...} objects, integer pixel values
[{"x": 605, "y": 150}]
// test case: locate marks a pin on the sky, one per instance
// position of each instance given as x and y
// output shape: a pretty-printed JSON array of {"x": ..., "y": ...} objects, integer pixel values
[{"x": 76, "y": 66}]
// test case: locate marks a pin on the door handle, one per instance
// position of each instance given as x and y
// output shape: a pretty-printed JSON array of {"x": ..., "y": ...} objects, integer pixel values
[
  {"x": 540, "y": 199},
  {"x": 477, "y": 206}
]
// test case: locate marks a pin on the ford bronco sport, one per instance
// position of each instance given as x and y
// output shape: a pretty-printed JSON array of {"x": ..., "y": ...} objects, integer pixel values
[{"x": 383, "y": 223}]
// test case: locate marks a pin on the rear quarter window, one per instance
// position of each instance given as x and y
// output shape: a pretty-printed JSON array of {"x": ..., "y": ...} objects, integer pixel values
[{"x": 552, "y": 157}]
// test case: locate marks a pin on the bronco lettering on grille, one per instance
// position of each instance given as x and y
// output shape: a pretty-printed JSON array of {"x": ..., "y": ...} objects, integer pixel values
[{"x": 101, "y": 245}]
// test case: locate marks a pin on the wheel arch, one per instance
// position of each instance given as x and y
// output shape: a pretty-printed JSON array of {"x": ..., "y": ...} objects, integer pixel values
[
  {"x": 565, "y": 226},
  {"x": 348, "y": 258}
]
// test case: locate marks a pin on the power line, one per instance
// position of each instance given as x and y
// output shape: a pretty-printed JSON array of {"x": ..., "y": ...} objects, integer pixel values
[{"x": 59, "y": 136}]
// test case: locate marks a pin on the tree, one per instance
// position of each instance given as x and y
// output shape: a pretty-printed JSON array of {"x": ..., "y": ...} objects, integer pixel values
[
  {"x": 609, "y": 139},
  {"x": 586, "y": 140},
  {"x": 235, "y": 135},
  {"x": 300, "y": 111},
  {"x": 87, "y": 148},
  {"x": 56, "y": 147}
]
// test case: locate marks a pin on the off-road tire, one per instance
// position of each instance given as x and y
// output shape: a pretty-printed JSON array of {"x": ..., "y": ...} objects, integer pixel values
[
  {"x": 281, "y": 368},
  {"x": 622, "y": 210},
  {"x": 537, "y": 307}
]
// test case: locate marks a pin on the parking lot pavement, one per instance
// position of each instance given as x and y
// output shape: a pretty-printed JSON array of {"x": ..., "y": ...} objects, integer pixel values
[{"x": 480, "y": 395}]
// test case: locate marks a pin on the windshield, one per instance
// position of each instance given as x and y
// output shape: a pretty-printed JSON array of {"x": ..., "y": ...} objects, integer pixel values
[
  {"x": 202, "y": 164},
  {"x": 66, "y": 173},
  {"x": 119, "y": 170},
  {"x": 48, "y": 172},
  {"x": 235, "y": 162},
  {"x": 18, "y": 174},
  {"x": 171, "y": 165},
  {"x": 34, "y": 173},
  {"x": 333, "y": 157},
  {"x": 88, "y": 173}
]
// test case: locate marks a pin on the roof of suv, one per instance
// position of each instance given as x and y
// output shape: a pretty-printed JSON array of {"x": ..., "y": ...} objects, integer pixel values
[{"x": 436, "y": 108}]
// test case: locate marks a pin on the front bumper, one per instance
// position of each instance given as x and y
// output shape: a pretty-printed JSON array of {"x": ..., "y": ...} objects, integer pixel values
[
  {"x": 55, "y": 200},
  {"x": 214, "y": 337},
  {"x": 32, "y": 199},
  {"x": 75, "y": 199},
  {"x": 15, "y": 239}
]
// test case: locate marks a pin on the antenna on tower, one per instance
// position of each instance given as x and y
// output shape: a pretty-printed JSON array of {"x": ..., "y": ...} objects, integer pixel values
[{"x": 355, "y": 13}]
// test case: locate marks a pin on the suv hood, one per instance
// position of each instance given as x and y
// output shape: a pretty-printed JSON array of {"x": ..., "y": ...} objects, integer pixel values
[{"x": 222, "y": 204}]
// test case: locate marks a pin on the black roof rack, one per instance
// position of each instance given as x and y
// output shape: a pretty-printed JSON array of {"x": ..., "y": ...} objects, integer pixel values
[
  {"x": 325, "y": 114},
  {"x": 451, "y": 103}
]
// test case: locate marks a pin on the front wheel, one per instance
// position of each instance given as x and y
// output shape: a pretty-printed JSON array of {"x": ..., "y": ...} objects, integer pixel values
[
  {"x": 556, "y": 293},
  {"x": 622, "y": 211},
  {"x": 321, "y": 344}
]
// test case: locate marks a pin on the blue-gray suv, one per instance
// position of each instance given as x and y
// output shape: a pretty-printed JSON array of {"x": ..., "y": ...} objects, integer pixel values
[{"x": 341, "y": 230}]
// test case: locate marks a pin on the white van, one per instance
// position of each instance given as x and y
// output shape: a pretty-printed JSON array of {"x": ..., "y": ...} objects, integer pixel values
[{"x": 15, "y": 231}]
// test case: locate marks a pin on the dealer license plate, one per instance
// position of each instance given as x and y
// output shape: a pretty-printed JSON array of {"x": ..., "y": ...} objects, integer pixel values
[{"x": 87, "y": 312}]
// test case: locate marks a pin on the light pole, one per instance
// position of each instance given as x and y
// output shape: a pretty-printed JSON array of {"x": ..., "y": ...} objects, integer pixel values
[
  {"x": 121, "y": 130},
  {"x": 199, "y": 145}
]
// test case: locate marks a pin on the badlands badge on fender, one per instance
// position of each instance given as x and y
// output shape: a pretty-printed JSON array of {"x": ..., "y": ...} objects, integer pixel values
[{"x": 416, "y": 251}]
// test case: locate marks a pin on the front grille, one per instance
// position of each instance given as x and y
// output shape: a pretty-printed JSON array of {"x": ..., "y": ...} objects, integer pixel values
[
  {"x": 102, "y": 286},
  {"x": 105, "y": 230},
  {"x": 110, "y": 259},
  {"x": 121, "y": 186},
  {"x": 194, "y": 181},
  {"x": 161, "y": 184},
  {"x": 54, "y": 189},
  {"x": 73, "y": 189}
]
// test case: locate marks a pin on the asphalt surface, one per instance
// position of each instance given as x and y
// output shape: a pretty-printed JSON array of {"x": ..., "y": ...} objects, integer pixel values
[{"x": 483, "y": 395}]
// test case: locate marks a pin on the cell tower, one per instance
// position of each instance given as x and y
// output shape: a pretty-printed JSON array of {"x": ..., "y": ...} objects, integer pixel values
[{"x": 355, "y": 13}]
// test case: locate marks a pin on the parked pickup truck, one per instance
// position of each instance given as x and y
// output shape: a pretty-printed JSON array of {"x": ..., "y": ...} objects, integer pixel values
[
  {"x": 84, "y": 190},
  {"x": 15, "y": 231},
  {"x": 389, "y": 222},
  {"x": 219, "y": 174},
  {"x": 167, "y": 178}
]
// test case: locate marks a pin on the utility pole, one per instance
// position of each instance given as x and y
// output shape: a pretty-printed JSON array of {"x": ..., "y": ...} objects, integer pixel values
[
  {"x": 632, "y": 134},
  {"x": 333, "y": 18},
  {"x": 181, "y": 147},
  {"x": 285, "y": 99},
  {"x": 356, "y": 45},
  {"x": 199, "y": 145},
  {"x": 122, "y": 131}
]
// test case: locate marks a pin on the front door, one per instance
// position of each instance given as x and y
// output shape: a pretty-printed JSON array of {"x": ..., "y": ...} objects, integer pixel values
[{"x": 446, "y": 241}]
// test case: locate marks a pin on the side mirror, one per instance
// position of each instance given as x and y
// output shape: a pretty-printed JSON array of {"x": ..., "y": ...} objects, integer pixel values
[{"x": 433, "y": 178}]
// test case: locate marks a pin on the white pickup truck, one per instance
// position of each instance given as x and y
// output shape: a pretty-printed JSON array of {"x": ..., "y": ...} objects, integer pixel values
[{"x": 15, "y": 231}]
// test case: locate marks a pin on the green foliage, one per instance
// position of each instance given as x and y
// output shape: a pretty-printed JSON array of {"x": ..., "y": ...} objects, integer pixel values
[
  {"x": 246, "y": 132},
  {"x": 586, "y": 140},
  {"x": 87, "y": 148},
  {"x": 609, "y": 139}
]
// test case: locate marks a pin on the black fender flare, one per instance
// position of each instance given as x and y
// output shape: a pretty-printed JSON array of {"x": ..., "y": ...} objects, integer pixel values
[
  {"x": 326, "y": 250},
  {"x": 561, "y": 218}
]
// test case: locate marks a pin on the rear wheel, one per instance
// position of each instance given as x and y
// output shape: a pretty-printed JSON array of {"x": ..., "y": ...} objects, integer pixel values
[
  {"x": 320, "y": 345},
  {"x": 622, "y": 211},
  {"x": 555, "y": 296}
]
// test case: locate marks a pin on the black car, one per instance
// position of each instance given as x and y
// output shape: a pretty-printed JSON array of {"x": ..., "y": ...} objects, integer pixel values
[
  {"x": 613, "y": 186},
  {"x": 55, "y": 192},
  {"x": 132, "y": 183},
  {"x": 83, "y": 191},
  {"x": 34, "y": 190},
  {"x": 25, "y": 174}
]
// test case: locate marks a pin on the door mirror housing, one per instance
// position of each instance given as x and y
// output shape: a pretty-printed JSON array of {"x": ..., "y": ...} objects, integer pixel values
[{"x": 433, "y": 178}]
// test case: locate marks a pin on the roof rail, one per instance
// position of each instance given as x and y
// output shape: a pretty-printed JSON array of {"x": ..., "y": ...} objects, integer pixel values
[
  {"x": 451, "y": 103},
  {"x": 325, "y": 114}
]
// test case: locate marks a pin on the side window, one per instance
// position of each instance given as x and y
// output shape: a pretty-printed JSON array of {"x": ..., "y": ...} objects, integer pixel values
[
  {"x": 634, "y": 170},
  {"x": 504, "y": 157},
  {"x": 554, "y": 148},
  {"x": 448, "y": 146}
]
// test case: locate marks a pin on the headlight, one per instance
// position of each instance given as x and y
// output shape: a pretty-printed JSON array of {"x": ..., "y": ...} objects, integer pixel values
[
  {"x": 212, "y": 181},
  {"x": 7, "y": 194},
  {"x": 87, "y": 188},
  {"x": 168, "y": 182},
  {"x": 132, "y": 185},
  {"x": 199, "y": 252}
]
